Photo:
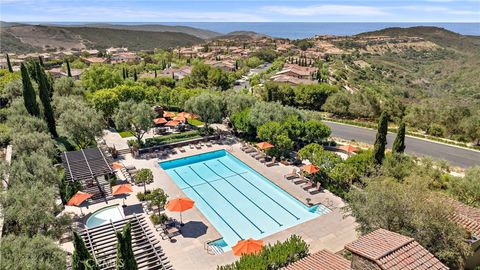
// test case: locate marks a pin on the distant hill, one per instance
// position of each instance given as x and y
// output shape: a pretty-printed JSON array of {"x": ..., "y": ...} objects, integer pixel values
[
  {"x": 23, "y": 38},
  {"x": 437, "y": 35},
  {"x": 200, "y": 33},
  {"x": 242, "y": 35}
]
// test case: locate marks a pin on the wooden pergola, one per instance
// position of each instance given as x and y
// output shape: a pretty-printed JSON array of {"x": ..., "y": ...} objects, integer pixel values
[
  {"x": 89, "y": 166},
  {"x": 101, "y": 242}
]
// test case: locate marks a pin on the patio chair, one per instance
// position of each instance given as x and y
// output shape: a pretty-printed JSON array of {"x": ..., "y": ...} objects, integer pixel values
[
  {"x": 262, "y": 159},
  {"x": 249, "y": 150},
  {"x": 292, "y": 175},
  {"x": 272, "y": 162},
  {"x": 208, "y": 144},
  {"x": 301, "y": 180},
  {"x": 315, "y": 190},
  {"x": 181, "y": 149},
  {"x": 198, "y": 146},
  {"x": 191, "y": 146},
  {"x": 308, "y": 185}
]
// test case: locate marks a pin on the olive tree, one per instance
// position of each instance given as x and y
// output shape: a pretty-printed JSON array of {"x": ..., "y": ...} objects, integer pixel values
[
  {"x": 135, "y": 117},
  {"x": 209, "y": 106}
]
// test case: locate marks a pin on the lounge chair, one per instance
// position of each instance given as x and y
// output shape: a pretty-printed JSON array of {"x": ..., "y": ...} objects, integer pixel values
[
  {"x": 292, "y": 175},
  {"x": 262, "y": 159},
  {"x": 301, "y": 180},
  {"x": 272, "y": 162},
  {"x": 192, "y": 146},
  {"x": 208, "y": 144},
  {"x": 198, "y": 146},
  {"x": 308, "y": 185},
  {"x": 249, "y": 150},
  {"x": 181, "y": 149},
  {"x": 315, "y": 190}
]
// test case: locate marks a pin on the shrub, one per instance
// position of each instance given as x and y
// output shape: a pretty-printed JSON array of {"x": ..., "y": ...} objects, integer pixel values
[
  {"x": 177, "y": 137},
  {"x": 158, "y": 219},
  {"x": 272, "y": 257}
]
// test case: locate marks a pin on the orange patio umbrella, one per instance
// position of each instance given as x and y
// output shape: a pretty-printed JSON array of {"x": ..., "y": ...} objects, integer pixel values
[
  {"x": 160, "y": 120},
  {"x": 117, "y": 166},
  {"x": 248, "y": 246},
  {"x": 122, "y": 189},
  {"x": 179, "y": 118},
  {"x": 310, "y": 168},
  {"x": 168, "y": 114},
  {"x": 78, "y": 198},
  {"x": 348, "y": 148},
  {"x": 180, "y": 205},
  {"x": 172, "y": 124},
  {"x": 264, "y": 145}
]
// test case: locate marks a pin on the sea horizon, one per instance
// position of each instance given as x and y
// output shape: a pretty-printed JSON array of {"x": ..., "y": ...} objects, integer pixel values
[{"x": 298, "y": 30}]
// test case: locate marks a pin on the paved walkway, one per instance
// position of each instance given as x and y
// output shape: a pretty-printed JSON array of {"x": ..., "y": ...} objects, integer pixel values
[{"x": 330, "y": 231}]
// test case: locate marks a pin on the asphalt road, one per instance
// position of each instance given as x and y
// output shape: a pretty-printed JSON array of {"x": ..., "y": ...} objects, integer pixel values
[{"x": 454, "y": 155}]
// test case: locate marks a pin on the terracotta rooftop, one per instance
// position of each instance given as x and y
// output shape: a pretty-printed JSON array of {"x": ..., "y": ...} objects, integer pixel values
[
  {"x": 467, "y": 217},
  {"x": 394, "y": 251},
  {"x": 322, "y": 260}
]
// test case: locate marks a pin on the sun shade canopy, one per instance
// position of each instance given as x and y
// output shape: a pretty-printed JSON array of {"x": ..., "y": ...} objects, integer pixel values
[
  {"x": 78, "y": 198},
  {"x": 264, "y": 145},
  {"x": 122, "y": 189},
  {"x": 179, "y": 204},
  {"x": 248, "y": 246},
  {"x": 85, "y": 164},
  {"x": 310, "y": 168}
]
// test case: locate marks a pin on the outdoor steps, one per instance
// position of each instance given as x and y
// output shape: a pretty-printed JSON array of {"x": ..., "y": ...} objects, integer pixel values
[
  {"x": 215, "y": 250},
  {"x": 123, "y": 151}
]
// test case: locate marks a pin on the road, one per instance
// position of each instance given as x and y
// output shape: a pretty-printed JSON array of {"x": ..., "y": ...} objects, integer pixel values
[{"x": 454, "y": 155}]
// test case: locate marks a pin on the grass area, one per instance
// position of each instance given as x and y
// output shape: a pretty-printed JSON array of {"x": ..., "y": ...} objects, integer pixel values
[
  {"x": 195, "y": 122},
  {"x": 126, "y": 134}
]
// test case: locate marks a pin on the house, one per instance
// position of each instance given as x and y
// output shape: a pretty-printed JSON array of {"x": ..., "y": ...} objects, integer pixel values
[
  {"x": 125, "y": 57},
  {"x": 178, "y": 73},
  {"x": 113, "y": 50},
  {"x": 59, "y": 72},
  {"x": 294, "y": 81},
  {"x": 383, "y": 249},
  {"x": 226, "y": 65},
  {"x": 297, "y": 71},
  {"x": 95, "y": 60},
  {"x": 91, "y": 52},
  {"x": 378, "y": 250}
]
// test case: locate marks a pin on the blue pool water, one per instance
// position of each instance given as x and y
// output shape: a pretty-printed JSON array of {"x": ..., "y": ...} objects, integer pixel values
[
  {"x": 105, "y": 215},
  {"x": 236, "y": 199}
]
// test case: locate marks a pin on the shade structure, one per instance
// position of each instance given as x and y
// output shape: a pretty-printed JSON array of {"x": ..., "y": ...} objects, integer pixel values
[
  {"x": 168, "y": 114},
  {"x": 310, "y": 168},
  {"x": 264, "y": 145},
  {"x": 172, "y": 123},
  {"x": 78, "y": 198},
  {"x": 180, "y": 205},
  {"x": 184, "y": 114},
  {"x": 248, "y": 246},
  {"x": 348, "y": 148},
  {"x": 160, "y": 121},
  {"x": 179, "y": 118},
  {"x": 122, "y": 189},
  {"x": 116, "y": 166}
]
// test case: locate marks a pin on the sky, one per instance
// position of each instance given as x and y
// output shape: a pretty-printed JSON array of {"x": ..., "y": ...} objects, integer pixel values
[{"x": 239, "y": 11}]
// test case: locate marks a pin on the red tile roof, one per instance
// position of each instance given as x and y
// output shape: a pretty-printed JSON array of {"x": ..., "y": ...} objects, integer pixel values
[
  {"x": 391, "y": 250},
  {"x": 322, "y": 260},
  {"x": 466, "y": 216}
]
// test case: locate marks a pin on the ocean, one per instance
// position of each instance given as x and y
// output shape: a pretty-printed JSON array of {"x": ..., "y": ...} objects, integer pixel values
[{"x": 298, "y": 30}]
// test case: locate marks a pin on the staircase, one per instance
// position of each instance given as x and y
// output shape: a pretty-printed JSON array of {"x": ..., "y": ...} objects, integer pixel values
[{"x": 213, "y": 249}]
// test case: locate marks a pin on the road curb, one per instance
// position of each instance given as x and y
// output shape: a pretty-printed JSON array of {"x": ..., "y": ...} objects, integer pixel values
[{"x": 410, "y": 136}]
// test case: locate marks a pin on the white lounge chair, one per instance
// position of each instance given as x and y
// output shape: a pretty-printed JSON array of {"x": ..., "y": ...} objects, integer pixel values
[
  {"x": 315, "y": 190},
  {"x": 292, "y": 175}
]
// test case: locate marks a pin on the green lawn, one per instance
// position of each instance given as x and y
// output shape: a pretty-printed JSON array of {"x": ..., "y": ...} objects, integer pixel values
[
  {"x": 195, "y": 122},
  {"x": 126, "y": 134}
]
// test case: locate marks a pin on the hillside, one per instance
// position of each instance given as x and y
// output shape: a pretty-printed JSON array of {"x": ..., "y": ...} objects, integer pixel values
[
  {"x": 197, "y": 32},
  {"x": 29, "y": 38},
  {"x": 242, "y": 35},
  {"x": 439, "y": 36}
]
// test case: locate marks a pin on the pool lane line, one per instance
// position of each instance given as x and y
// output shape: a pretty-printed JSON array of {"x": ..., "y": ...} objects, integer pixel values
[
  {"x": 261, "y": 231},
  {"x": 241, "y": 238},
  {"x": 279, "y": 224},
  {"x": 259, "y": 189}
]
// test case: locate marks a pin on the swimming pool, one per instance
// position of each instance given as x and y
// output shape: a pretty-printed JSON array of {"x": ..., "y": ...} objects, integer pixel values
[
  {"x": 104, "y": 216},
  {"x": 237, "y": 200}
]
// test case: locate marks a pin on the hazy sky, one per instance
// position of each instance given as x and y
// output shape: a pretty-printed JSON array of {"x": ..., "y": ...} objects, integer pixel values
[{"x": 240, "y": 11}]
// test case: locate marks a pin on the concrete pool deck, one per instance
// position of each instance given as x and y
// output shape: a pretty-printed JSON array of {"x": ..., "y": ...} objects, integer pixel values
[{"x": 330, "y": 231}]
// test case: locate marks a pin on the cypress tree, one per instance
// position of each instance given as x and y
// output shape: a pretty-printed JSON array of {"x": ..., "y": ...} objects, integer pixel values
[
  {"x": 381, "y": 139},
  {"x": 40, "y": 60},
  {"x": 135, "y": 74},
  {"x": 44, "y": 93},
  {"x": 69, "y": 72},
  {"x": 29, "y": 96},
  {"x": 81, "y": 258},
  {"x": 155, "y": 73},
  {"x": 123, "y": 73},
  {"x": 9, "y": 64},
  {"x": 125, "y": 257},
  {"x": 399, "y": 143}
]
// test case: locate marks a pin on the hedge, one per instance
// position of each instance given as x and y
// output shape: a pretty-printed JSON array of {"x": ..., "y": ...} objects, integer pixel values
[
  {"x": 272, "y": 257},
  {"x": 172, "y": 138}
]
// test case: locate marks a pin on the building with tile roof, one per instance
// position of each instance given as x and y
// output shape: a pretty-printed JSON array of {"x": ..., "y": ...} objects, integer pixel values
[
  {"x": 322, "y": 260},
  {"x": 383, "y": 249}
]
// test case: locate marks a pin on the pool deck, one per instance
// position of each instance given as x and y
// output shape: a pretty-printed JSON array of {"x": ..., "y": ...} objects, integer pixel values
[{"x": 330, "y": 231}]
